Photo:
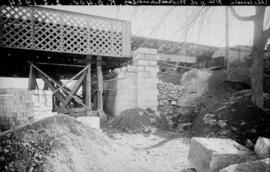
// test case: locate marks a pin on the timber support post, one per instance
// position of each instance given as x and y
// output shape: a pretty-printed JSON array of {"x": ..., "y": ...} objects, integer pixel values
[
  {"x": 87, "y": 86},
  {"x": 100, "y": 87}
]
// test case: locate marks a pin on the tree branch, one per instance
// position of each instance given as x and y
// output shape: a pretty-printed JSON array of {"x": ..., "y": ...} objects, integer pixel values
[{"x": 243, "y": 18}]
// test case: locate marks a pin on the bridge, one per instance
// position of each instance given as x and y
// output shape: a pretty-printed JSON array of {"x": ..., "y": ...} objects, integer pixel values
[{"x": 55, "y": 43}]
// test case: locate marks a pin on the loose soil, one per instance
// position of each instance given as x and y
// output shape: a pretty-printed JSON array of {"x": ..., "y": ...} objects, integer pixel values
[{"x": 68, "y": 145}]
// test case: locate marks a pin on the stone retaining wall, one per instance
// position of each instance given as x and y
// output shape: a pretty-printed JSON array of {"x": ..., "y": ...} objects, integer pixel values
[{"x": 19, "y": 106}]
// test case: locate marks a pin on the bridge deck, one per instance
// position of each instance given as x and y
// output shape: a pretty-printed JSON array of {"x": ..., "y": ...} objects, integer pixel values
[{"x": 37, "y": 28}]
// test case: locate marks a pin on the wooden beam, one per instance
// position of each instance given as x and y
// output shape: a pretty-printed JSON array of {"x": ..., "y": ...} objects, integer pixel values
[
  {"x": 32, "y": 83},
  {"x": 100, "y": 85},
  {"x": 179, "y": 66},
  {"x": 57, "y": 95},
  {"x": 60, "y": 64},
  {"x": 88, "y": 88},
  {"x": 59, "y": 85},
  {"x": 74, "y": 90},
  {"x": 84, "y": 69}
]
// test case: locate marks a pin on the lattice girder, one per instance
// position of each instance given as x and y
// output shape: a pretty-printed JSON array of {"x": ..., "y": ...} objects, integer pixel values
[{"x": 60, "y": 31}]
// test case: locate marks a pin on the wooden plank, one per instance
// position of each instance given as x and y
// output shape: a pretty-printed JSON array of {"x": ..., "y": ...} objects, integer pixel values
[
  {"x": 88, "y": 88},
  {"x": 60, "y": 64},
  {"x": 179, "y": 66},
  {"x": 100, "y": 85},
  {"x": 57, "y": 95},
  {"x": 75, "y": 89},
  {"x": 71, "y": 79}
]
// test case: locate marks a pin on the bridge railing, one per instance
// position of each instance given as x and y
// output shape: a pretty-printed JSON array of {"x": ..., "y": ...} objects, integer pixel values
[{"x": 37, "y": 28}]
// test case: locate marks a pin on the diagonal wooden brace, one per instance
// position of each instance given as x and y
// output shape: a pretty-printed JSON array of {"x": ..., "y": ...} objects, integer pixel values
[
  {"x": 57, "y": 95},
  {"x": 71, "y": 79},
  {"x": 75, "y": 89},
  {"x": 50, "y": 79}
]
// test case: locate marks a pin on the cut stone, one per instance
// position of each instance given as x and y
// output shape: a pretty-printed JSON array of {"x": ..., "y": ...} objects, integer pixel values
[
  {"x": 213, "y": 154},
  {"x": 262, "y": 147},
  {"x": 253, "y": 166},
  {"x": 90, "y": 121}
]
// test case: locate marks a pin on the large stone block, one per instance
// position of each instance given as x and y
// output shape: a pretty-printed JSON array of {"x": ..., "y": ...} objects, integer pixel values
[
  {"x": 140, "y": 68},
  {"x": 252, "y": 166},
  {"x": 150, "y": 57},
  {"x": 152, "y": 68},
  {"x": 262, "y": 147},
  {"x": 153, "y": 62},
  {"x": 141, "y": 62},
  {"x": 213, "y": 154},
  {"x": 145, "y": 51},
  {"x": 90, "y": 121}
]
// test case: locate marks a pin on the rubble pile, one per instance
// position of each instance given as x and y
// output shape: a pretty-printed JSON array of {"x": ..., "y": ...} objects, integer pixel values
[
  {"x": 236, "y": 118},
  {"x": 179, "y": 104},
  {"x": 167, "y": 98},
  {"x": 168, "y": 93}
]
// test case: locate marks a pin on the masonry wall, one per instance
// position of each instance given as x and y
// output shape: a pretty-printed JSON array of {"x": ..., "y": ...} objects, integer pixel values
[
  {"x": 20, "y": 106},
  {"x": 137, "y": 84}
]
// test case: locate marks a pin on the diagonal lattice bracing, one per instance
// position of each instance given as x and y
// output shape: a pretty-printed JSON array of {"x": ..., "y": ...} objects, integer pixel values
[{"x": 60, "y": 31}]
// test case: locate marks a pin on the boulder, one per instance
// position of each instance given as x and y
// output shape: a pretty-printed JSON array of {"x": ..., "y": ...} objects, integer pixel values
[
  {"x": 252, "y": 166},
  {"x": 262, "y": 147},
  {"x": 213, "y": 154}
]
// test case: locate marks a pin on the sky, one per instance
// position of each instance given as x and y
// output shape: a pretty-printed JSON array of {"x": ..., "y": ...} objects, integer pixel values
[{"x": 166, "y": 22}]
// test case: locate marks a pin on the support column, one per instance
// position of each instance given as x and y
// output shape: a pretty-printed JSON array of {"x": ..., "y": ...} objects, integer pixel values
[
  {"x": 88, "y": 86},
  {"x": 100, "y": 87},
  {"x": 32, "y": 83}
]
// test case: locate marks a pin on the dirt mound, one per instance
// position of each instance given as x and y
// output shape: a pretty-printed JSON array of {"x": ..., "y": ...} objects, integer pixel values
[
  {"x": 61, "y": 143},
  {"x": 237, "y": 118},
  {"x": 135, "y": 120}
]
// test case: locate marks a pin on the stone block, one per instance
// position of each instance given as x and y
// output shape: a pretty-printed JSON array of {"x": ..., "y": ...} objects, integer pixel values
[
  {"x": 90, "y": 121},
  {"x": 130, "y": 75},
  {"x": 131, "y": 69},
  {"x": 252, "y": 166},
  {"x": 153, "y": 62},
  {"x": 213, "y": 154},
  {"x": 152, "y": 57},
  {"x": 132, "y": 103},
  {"x": 141, "y": 62},
  {"x": 140, "y": 68},
  {"x": 152, "y": 68},
  {"x": 145, "y": 51},
  {"x": 138, "y": 56},
  {"x": 262, "y": 147}
]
